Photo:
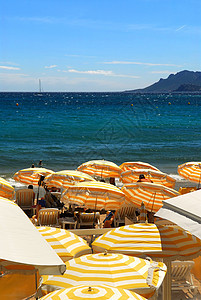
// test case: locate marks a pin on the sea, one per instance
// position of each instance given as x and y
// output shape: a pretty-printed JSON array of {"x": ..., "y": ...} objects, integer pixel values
[{"x": 65, "y": 130}]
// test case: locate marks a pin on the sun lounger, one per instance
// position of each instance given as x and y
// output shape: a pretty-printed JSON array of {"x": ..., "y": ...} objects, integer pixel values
[
  {"x": 25, "y": 199},
  {"x": 48, "y": 217},
  {"x": 181, "y": 275},
  {"x": 188, "y": 189},
  {"x": 127, "y": 210},
  {"x": 87, "y": 220}
]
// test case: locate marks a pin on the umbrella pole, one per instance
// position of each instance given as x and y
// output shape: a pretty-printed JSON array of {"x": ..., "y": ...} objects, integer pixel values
[
  {"x": 167, "y": 281},
  {"x": 199, "y": 182}
]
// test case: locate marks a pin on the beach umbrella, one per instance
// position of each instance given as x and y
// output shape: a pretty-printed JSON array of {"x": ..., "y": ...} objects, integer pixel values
[
  {"x": 157, "y": 241},
  {"x": 100, "y": 168},
  {"x": 185, "y": 211},
  {"x": 66, "y": 244},
  {"x": 191, "y": 171},
  {"x": 157, "y": 177},
  {"x": 64, "y": 179},
  {"x": 6, "y": 190},
  {"x": 145, "y": 239},
  {"x": 99, "y": 292},
  {"x": 136, "y": 165},
  {"x": 95, "y": 195},
  {"x": 31, "y": 175},
  {"x": 151, "y": 194},
  {"x": 142, "y": 276},
  {"x": 22, "y": 246}
]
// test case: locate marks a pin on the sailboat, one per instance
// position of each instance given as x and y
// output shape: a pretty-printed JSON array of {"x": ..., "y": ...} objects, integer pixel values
[{"x": 40, "y": 88}]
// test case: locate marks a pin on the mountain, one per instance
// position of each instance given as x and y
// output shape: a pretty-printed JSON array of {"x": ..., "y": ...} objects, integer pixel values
[{"x": 183, "y": 81}]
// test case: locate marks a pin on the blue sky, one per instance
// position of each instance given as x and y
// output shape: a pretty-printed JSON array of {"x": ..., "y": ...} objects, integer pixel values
[{"x": 93, "y": 45}]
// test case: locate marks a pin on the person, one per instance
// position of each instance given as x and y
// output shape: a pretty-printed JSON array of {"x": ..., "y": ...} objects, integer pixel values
[
  {"x": 51, "y": 200},
  {"x": 30, "y": 187},
  {"x": 108, "y": 221},
  {"x": 40, "y": 164},
  {"x": 143, "y": 179},
  {"x": 112, "y": 180}
]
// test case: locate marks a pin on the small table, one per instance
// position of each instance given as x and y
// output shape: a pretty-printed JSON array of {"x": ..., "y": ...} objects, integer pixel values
[{"x": 69, "y": 221}]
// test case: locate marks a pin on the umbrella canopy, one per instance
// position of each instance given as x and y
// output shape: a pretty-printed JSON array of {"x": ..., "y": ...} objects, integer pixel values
[
  {"x": 66, "y": 244},
  {"x": 191, "y": 171},
  {"x": 99, "y": 292},
  {"x": 149, "y": 239},
  {"x": 94, "y": 195},
  {"x": 100, "y": 168},
  {"x": 22, "y": 246},
  {"x": 151, "y": 194},
  {"x": 136, "y": 165},
  {"x": 139, "y": 275},
  {"x": 185, "y": 211},
  {"x": 31, "y": 175},
  {"x": 66, "y": 178},
  {"x": 157, "y": 177},
  {"x": 6, "y": 190}
]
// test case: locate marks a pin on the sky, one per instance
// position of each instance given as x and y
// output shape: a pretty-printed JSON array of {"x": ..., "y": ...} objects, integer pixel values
[{"x": 96, "y": 45}]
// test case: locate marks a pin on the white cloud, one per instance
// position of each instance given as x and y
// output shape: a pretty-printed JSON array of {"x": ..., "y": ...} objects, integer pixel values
[
  {"x": 180, "y": 28},
  {"x": 162, "y": 72},
  {"x": 101, "y": 72},
  {"x": 97, "y": 72},
  {"x": 50, "y": 67},
  {"x": 137, "y": 63},
  {"x": 9, "y": 68}
]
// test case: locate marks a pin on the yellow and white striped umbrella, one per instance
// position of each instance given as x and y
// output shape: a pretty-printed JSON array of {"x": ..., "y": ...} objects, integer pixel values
[
  {"x": 138, "y": 275},
  {"x": 31, "y": 175},
  {"x": 6, "y": 190},
  {"x": 145, "y": 239},
  {"x": 191, "y": 171},
  {"x": 100, "y": 168},
  {"x": 66, "y": 244},
  {"x": 66, "y": 178},
  {"x": 136, "y": 165},
  {"x": 157, "y": 177},
  {"x": 94, "y": 195},
  {"x": 98, "y": 292},
  {"x": 151, "y": 194}
]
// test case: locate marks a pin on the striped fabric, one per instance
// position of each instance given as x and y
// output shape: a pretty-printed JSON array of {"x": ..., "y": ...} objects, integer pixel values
[
  {"x": 143, "y": 214},
  {"x": 66, "y": 244},
  {"x": 157, "y": 177},
  {"x": 48, "y": 217},
  {"x": 31, "y": 175},
  {"x": 99, "y": 292},
  {"x": 101, "y": 168},
  {"x": 116, "y": 270},
  {"x": 151, "y": 194},
  {"x": 136, "y": 165},
  {"x": 149, "y": 239},
  {"x": 25, "y": 198},
  {"x": 191, "y": 171},
  {"x": 66, "y": 178},
  {"x": 6, "y": 190},
  {"x": 94, "y": 194}
]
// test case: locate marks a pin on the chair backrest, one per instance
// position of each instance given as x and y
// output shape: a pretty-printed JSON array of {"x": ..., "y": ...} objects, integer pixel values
[
  {"x": 24, "y": 198},
  {"x": 48, "y": 217},
  {"x": 88, "y": 218},
  {"x": 181, "y": 270},
  {"x": 127, "y": 211}
]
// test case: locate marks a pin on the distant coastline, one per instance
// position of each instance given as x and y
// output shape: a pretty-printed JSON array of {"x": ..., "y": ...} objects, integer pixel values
[{"x": 182, "y": 82}]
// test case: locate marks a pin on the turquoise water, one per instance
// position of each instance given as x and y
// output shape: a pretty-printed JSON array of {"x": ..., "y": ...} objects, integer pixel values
[{"x": 67, "y": 129}]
